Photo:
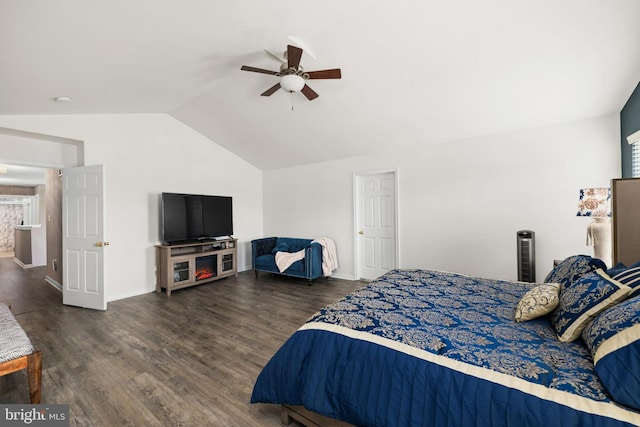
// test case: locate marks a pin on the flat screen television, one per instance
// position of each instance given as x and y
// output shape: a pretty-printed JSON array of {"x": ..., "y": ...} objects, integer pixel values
[{"x": 193, "y": 217}]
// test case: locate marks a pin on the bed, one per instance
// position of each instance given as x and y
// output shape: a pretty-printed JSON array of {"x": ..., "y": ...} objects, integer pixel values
[{"x": 433, "y": 348}]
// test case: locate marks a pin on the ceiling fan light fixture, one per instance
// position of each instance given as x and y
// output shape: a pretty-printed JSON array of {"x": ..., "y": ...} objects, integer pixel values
[
  {"x": 292, "y": 83},
  {"x": 292, "y": 76}
]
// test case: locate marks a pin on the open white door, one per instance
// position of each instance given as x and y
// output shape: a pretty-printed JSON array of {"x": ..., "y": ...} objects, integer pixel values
[
  {"x": 375, "y": 224},
  {"x": 83, "y": 237}
]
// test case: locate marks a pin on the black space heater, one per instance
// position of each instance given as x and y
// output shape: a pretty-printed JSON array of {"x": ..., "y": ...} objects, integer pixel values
[{"x": 526, "y": 256}]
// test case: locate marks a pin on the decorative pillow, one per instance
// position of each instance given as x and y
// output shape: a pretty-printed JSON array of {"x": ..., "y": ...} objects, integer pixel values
[
  {"x": 614, "y": 341},
  {"x": 616, "y": 269},
  {"x": 631, "y": 278},
  {"x": 583, "y": 300},
  {"x": 537, "y": 302},
  {"x": 280, "y": 247},
  {"x": 570, "y": 269}
]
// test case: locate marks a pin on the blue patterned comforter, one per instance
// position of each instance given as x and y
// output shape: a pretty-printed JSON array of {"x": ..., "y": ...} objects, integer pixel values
[{"x": 430, "y": 348}]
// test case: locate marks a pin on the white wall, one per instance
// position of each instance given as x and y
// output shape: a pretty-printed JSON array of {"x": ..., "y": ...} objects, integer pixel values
[
  {"x": 28, "y": 148},
  {"x": 460, "y": 204},
  {"x": 144, "y": 155}
]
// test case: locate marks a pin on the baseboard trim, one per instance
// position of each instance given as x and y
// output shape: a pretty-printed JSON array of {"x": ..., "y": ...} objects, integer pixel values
[
  {"x": 343, "y": 277},
  {"x": 134, "y": 293},
  {"x": 53, "y": 283},
  {"x": 22, "y": 264}
]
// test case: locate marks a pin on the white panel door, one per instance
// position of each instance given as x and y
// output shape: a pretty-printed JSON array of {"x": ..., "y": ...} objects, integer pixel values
[
  {"x": 83, "y": 237},
  {"x": 376, "y": 238}
]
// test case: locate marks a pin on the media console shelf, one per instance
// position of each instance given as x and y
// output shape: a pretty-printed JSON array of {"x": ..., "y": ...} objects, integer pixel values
[{"x": 181, "y": 266}]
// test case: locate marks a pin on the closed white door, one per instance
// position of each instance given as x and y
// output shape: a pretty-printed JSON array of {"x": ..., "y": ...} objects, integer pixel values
[
  {"x": 83, "y": 237},
  {"x": 376, "y": 213}
]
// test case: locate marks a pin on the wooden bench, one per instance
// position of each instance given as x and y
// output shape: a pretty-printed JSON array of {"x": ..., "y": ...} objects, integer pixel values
[{"x": 17, "y": 353}]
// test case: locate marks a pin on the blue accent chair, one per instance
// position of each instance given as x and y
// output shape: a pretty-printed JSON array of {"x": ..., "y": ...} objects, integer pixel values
[{"x": 263, "y": 257}]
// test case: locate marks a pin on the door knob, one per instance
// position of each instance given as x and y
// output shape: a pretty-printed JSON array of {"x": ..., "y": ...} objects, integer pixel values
[
  {"x": 360, "y": 232},
  {"x": 101, "y": 244}
]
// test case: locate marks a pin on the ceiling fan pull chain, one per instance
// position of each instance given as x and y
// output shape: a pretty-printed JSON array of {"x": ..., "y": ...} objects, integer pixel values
[{"x": 291, "y": 101}]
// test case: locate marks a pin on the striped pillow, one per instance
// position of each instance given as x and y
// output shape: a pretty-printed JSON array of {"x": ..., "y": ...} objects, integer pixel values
[
  {"x": 631, "y": 278},
  {"x": 614, "y": 341}
]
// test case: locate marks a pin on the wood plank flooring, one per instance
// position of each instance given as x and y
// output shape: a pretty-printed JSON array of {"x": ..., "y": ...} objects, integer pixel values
[{"x": 186, "y": 360}]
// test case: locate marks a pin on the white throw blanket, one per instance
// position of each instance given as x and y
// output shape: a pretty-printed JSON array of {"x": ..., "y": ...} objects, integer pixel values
[
  {"x": 285, "y": 259},
  {"x": 329, "y": 255}
]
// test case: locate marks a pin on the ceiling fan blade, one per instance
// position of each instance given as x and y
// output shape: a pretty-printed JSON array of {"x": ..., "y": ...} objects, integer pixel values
[
  {"x": 293, "y": 56},
  {"x": 258, "y": 70},
  {"x": 309, "y": 93},
  {"x": 325, "y": 74},
  {"x": 271, "y": 90}
]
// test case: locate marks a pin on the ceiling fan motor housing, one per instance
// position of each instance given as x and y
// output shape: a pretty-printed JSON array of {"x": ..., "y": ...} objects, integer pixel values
[{"x": 285, "y": 71}]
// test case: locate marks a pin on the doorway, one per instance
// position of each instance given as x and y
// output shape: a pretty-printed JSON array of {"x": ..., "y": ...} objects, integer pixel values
[
  {"x": 376, "y": 223},
  {"x": 33, "y": 151},
  {"x": 30, "y": 221},
  {"x": 11, "y": 212}
]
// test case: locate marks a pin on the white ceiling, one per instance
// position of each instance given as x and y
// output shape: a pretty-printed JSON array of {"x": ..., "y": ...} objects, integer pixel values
[{"x": 413, "y": 72}]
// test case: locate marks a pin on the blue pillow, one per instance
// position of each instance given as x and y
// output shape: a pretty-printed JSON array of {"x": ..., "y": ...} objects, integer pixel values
[
  {"x": 570, "y": 269},
  {"x": 614, "y": 341},
  {"x": 280, "y": 247},
  {"x": 583, "y": 300},
  {"x": 616, "y": 269},
  {"x": 631, "y": 278}
]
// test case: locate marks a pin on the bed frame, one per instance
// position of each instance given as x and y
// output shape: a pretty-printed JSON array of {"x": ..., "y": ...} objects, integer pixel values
[{"x": 307, "y": 418}]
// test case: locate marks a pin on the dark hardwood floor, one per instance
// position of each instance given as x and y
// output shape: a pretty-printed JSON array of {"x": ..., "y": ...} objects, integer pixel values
[{"x": 186, "y": 360}]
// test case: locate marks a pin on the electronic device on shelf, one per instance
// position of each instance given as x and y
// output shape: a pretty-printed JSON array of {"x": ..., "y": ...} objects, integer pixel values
[{"x": 194, "y": 217}]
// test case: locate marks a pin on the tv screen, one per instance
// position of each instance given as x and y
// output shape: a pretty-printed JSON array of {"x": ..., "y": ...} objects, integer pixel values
[{"x": 189, "y": 217}]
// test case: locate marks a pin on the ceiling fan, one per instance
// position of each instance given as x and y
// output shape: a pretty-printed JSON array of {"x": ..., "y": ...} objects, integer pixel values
[{"x": 293, "y": 77}]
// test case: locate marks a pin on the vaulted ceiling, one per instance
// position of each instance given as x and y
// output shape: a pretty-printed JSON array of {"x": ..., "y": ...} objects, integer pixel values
[{"x": 413, "y": 72}]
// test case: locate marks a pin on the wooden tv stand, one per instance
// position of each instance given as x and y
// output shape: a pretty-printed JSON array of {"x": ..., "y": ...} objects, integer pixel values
[{"x": 190, "y": 264}]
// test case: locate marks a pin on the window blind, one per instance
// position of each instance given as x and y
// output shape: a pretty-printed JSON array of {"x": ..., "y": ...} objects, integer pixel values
[{"x": 635, "y": 160}]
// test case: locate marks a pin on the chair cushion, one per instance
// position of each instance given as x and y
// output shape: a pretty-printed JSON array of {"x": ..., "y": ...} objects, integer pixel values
[
  {"x": 296, "y": 267},
  {"x": 280, "y": 247},
  {"x": 14, "y": 342},
  {"x": 268, "y": 263},
  {"x": 294, "y": 244}
]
